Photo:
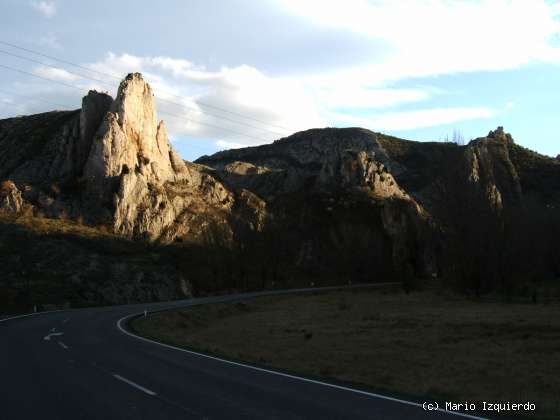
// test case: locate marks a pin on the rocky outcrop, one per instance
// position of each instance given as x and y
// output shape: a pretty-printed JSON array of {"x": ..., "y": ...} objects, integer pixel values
[
  {"x": 347, "y": 166},
  {"x": 133, "y": 170},
  {"x": 95, "y": 106},
  {"x": 491, "y": 172},
  {"x": 112, "y": 163},
  {"x": 11, "y": 200},
  {"x": 130, "y": 139},
  {"x": 40, "y": 148},
  {"x": 319, "y": 196},
  {"x": 316, "y": 159},
  {"x": 414, "y": 187}
]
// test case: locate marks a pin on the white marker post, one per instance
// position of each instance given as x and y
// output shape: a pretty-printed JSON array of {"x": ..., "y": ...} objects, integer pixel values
[{"x": 145, "y": 313}]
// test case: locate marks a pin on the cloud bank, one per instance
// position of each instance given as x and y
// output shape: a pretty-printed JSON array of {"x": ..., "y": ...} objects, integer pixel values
[
  {"x": 424, "y": 38},
  {"x": 46, "y": 8}
]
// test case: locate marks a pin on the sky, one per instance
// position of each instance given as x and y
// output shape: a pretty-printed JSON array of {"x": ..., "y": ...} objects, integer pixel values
[{"x": 239, "y": 73}]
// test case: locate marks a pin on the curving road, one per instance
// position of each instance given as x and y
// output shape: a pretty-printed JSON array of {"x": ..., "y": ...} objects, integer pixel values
[{"x": 79, "y": 364}]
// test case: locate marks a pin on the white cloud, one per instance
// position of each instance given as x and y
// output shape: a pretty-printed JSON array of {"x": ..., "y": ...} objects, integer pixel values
[
  {"x": 46, "y": 8},
  {"x": 222, "y": 144},
  {"x": 285, "y": 105},
  {"x": 35, "y": 96},
  {"x": 50, "y": 40},
  {"x": 408, "y": 120},
  {"x": 55, "y": 74},
  {"x": 432, "y": 37},
  {"x": 6, "y": 100},
  {"x": 192, "y": 99},
  {"x": 510, "y": 105},
  {"x": 184, "y": 89},
  {"x": 355, "y": 96}
]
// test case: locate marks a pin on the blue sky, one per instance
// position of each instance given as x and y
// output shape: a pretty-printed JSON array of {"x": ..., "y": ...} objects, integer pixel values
[{"x": 416, "y": 69}]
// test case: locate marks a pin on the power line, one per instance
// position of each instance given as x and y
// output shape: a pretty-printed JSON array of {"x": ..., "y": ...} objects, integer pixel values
[
  {"x": 54, "y": 67},
  {"x": 161, "y": 112},
  {"x": 219, "y": 116},
  {"x": 56, "y": 59},
  {"x": 41, "y": 77},
  {"x": 167, "y": 93},
  {"x": 103, "y": 82},
  {"x": 212, "y": 125},
  {"x": 33, "y": 98},
  {"x": 5, "y": 104}
]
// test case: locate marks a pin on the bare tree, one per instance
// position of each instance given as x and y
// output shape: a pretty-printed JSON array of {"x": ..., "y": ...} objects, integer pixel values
[{"x": 458, "y": 137}]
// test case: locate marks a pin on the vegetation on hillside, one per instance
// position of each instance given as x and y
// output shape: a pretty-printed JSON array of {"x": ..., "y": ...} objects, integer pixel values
[
  {"x": 313, "y": 236},
  {"x": 54, "y": 263}
]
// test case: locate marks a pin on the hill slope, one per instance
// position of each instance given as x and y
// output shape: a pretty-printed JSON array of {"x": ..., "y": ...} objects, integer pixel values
[{"x": 322, "y": 206}]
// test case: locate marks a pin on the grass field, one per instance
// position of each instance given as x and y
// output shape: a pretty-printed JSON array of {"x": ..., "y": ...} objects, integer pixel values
[{"x": 418, "y": 345}]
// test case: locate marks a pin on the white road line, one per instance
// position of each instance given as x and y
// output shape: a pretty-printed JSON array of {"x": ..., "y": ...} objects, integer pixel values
[
  {"x": 135, "y": 385},
  {"x": 32, "y": 314},
  {"x": 64, "y": 346},
  {"x": 56, "y": 334},
  {"x": 286, "y": 375}
]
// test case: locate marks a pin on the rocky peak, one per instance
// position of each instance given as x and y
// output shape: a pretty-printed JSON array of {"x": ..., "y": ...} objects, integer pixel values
[
  {"x": 136, "y": 111},
  {"x": 136, "y": 181},
  {"x": 130, "y": 138},
  {"x": 94, "y": 107},
  {"x": 501, "y": 135},
  {"x": 491, "y": 170},
  {"x": 360, "y": 169},
  {"x": 10, "y": 198}
]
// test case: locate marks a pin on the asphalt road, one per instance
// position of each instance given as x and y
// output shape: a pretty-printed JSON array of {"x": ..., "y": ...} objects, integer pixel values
[{"x": 78, "y": 364}]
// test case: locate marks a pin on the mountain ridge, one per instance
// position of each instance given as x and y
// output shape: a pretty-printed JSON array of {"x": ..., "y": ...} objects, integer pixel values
[{"x": 323, "y": 206}]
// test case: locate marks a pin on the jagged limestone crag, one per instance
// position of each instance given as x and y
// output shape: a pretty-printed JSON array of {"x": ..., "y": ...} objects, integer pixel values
[
  {"x": 326, "y": 198},
  {"x": 150, "y": 190},
  {"x": 491, "y": 171},
  {"x": 10, "y": 198},
  {"x": 415, "y": 187},
  {"x": 351, "y": 168},
  {"x": 111, "y": 163}
]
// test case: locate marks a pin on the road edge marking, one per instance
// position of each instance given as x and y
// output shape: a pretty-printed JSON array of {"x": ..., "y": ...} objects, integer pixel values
[
  {"x": 286, "y": 375},
  {"x": 32, "y": 314},
  {"x": 134, "y": 385}
]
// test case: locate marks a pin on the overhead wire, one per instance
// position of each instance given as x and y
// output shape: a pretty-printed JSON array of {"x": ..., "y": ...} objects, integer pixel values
[
  {"x": 34, "y": 98},
  {"x": 104, "y": 83},
  {"x": 161, "y": 112},
  {"x": 200, "y": 103}
]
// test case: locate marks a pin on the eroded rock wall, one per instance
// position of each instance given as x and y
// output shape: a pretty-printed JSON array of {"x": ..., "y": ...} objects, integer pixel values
[{"x": 111, "y": 163}]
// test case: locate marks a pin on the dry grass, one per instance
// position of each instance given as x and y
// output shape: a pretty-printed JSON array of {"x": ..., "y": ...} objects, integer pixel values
[
  {"x": 418, "y": 345},
  {"x": 45, "y": 226}
]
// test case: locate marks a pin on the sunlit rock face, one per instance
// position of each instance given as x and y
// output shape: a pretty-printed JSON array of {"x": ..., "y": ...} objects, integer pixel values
[
  {"x": 321, "y": 195},
  {"x": 111, "y": 163},
  {"x": 414, "y": 191},
  {"x": 333, "y": 185},
  {"x": 130, "y": 137},
  {"x": 151, "y": 192},
  {"x": 491, "y": 172},
  {"x": 11, "y": 200}
]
